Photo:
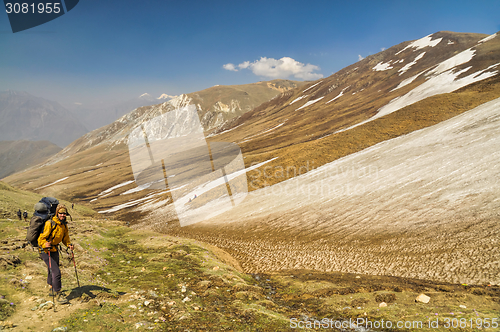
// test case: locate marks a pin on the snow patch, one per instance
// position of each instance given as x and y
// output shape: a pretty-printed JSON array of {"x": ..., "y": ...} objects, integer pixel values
[
  {"x": 406, "y": 81},
  {"x": 141, "y": 187},
  {"x": 52, "y": 183},
  {"x": 115, "y": 187},
  {"x": 459, "y": 59},
  {"x": 309, "y": 103},
  {"x": 297, "y": 99},
  {"x": 382, "y": 66},
  {"x": 165, "y": 96},
  {"x": 125, "y": 205},
  {"x": 421, "y": 43},
  {"x": 338, "y": 96},
  {"x": 198, "y": 190},
  {"x": 249, "y": 137},
  {"x": 444, "y": 83},
  {"x": 406, "y": 67},
  {"x": 312, "y": 86},
  {"x": 484, "y": 40},
  {"x": 225, "y": 131},
  {"x": 206, "y": 187}
]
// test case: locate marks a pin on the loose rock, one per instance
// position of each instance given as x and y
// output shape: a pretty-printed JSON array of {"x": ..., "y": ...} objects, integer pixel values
[
  {"x": 60, "y": 329},
  {"x": 423, "y": 298}
]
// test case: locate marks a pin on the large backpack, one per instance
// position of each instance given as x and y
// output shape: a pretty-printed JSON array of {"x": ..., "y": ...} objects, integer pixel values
[{"x": 45, "y": 209}]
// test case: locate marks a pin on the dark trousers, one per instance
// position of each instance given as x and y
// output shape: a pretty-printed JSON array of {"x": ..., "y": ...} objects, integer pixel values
[{"x": 54, "y": 273}]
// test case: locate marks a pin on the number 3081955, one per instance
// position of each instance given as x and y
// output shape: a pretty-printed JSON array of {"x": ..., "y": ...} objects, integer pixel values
[{"x": 25, "y": 8}]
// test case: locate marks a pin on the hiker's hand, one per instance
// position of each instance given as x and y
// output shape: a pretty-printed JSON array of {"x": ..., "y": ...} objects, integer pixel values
[
  {"x": 47, "y": 245},
  {"x": 71, "y": 247}
]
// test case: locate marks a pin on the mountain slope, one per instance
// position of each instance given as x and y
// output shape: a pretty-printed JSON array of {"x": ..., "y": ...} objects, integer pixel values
[
  {"x": 20, "y": 155},
  {"x": 26, "y": 117}
]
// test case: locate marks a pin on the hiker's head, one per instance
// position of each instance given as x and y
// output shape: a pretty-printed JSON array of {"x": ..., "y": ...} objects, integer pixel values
[{"x": 61, "y": 212}]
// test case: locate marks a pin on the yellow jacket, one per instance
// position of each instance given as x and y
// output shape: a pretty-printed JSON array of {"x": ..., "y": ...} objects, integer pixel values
[{"x": 59, "y": 234}]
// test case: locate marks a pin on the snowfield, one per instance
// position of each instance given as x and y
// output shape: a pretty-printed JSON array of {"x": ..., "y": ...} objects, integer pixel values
[{"x": 424, "y": 205}]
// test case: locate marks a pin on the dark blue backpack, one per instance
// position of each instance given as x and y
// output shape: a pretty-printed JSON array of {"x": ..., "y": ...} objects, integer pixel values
[{"x": 45, "y": 209}]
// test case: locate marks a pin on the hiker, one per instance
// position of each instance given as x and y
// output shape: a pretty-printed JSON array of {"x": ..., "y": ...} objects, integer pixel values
[
  {"x": 25, "y": 215},
  {"x": 72, "y": 206},
  {"x": 19, "y": 214},
  {"x": 49, "y": 240}
]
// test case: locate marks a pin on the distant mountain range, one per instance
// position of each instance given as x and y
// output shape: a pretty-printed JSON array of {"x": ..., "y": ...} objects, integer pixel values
[
  {"x": 20, "y": 155},
  {"x": 216, "y": 104},
  {"x": 98, "y": 114},
  {"x": 26, "y": 117}
]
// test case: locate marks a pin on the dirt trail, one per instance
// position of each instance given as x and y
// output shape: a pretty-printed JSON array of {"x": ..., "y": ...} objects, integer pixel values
[{"x": 26, "y": 319}]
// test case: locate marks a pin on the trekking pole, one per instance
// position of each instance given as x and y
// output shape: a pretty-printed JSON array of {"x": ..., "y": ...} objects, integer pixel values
[
  {"x": 74, "y": 264},
  {"x": 52, "y": 289}
]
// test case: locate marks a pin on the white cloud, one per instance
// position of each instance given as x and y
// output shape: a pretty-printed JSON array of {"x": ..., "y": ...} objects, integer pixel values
[
  {"x": 244, "y": 65},
  {"x": 360, "y": 57},
  {"x": 229, "y": 66},
  {"x": 382, "y": 48},
  {"x": 282, "y": 68}
]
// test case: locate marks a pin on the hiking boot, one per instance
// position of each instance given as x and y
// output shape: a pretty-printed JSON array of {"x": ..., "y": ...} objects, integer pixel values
[{"x": 61, "y": 298}]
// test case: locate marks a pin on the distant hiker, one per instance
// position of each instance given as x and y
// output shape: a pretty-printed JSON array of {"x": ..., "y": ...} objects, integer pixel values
[
  {"x": 72, "y": 206},
  {"x": 19, "y": 214},
  {"x": 49, "y": 241},
  {"x": 25, "y": 215}
]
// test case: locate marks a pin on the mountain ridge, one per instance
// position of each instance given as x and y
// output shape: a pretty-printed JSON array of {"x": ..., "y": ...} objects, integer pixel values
[
  {"x": 24, "y": 116},
  {"x": 17, "y": 156}
]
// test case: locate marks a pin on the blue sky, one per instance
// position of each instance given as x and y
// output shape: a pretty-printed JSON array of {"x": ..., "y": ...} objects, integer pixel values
[{"x": 119, "y": 49}]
